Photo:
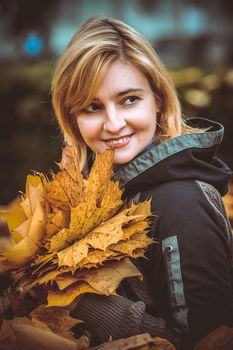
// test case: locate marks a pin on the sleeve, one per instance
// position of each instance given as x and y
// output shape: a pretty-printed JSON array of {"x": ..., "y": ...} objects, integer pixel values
[
  {"x": 196, "y": 243},
  {"x": 119, "y": 317}
]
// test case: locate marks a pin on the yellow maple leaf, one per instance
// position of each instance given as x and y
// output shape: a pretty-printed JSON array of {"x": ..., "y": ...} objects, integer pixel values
[
  {"x": 48, "y": 276},
  {"x": 65, "y": 189},
  {"x": 56, "y": 221},
  {"x": 100, "y": 201},
  {"x": 99, "y": 175},
  {"x": 65, "y": 281},
  {"x": 104, "y": 280},
  {"x": 137, "y": 241},
  {"x": 72, "y": 255},
  {"x": 134, "y": 228},
  {"x": 107, "y": 278},
  {"x": 96, "y": 258},
  {"x": 68, "y": 295}
]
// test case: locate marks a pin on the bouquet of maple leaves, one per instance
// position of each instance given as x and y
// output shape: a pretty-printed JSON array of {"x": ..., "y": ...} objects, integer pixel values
[{"x": 70, "y": 235}]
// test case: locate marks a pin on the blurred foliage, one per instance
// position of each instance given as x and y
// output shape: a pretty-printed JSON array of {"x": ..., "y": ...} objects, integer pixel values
[
  {"x": 208, "y": 94},
  {"x": 30, "y": 137},
  {"x": 29, "y": 134}
]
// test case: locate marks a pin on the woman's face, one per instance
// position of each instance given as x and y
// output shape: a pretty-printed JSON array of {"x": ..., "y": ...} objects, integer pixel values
[{"x": 122, "y": 115}]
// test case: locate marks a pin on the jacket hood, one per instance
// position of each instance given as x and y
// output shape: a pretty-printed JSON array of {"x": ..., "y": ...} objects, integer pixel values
[{"x": 189, "y": 156}]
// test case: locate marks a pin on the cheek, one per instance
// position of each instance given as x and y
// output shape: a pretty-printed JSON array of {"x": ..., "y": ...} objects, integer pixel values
[
  {"x": 88, "y": 128},
  {"x": 144, "y": 122},
  {"x": 145, "y": 116}
]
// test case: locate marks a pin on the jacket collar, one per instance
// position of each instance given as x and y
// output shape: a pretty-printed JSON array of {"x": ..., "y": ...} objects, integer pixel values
[{"x": 157, "y": 153}]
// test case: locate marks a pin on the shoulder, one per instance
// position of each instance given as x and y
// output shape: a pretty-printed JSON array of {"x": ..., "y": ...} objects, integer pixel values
[
  {"x": 189, "y": 205},
  {"x": 183, "y": 194},
  {"x": 178, "y": 195}
]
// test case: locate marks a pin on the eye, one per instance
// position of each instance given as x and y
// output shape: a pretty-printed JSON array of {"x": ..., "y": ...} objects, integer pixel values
[
  {"x": 130, "y": 100},
  {"x": 92, "y": 108}
]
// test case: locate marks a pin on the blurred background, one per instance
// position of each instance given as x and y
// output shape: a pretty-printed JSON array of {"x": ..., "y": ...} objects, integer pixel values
[{"x": 193, "y": 38}]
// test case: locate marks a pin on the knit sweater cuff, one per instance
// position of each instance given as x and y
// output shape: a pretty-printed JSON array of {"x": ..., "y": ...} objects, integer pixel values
[
  {"x": 118, "y": 317},
  {"x": 103, "y": 315},
  {"x": 132, "y": 324},
  {"x": 136, "y": 321}
]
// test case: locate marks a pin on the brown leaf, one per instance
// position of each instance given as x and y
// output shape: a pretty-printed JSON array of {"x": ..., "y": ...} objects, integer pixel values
[
  {"x": 56, "y": 318},
  {"x": 162, "y": 344},
  {"x": 219, "y": 339},
  {"x": 37, "y": 339},
  {"x": 139, "y": 342},
  {"x": 8, "y": 340}
]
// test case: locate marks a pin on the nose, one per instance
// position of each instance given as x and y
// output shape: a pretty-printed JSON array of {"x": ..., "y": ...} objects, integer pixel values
[{"x": 114, "y": 121}]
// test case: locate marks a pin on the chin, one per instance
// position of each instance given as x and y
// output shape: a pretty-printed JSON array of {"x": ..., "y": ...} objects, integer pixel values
[{"x": 120, "y": 160}]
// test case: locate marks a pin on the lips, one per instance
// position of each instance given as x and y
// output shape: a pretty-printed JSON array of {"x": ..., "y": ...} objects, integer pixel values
[{"x": 118, "y": 142}]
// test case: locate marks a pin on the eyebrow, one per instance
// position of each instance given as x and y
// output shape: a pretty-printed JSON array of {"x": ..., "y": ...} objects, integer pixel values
[{"x": 124, "y": 92}]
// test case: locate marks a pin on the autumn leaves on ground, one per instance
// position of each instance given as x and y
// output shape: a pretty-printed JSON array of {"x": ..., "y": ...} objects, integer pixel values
[{"x": 67, "y": 236}]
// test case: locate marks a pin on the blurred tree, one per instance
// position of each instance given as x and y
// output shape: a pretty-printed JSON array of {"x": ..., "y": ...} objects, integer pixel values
[
  {"x": 28, "y": 15},
  {"x": 25, "y": 16},
  {"x": 30, "y": 137}
]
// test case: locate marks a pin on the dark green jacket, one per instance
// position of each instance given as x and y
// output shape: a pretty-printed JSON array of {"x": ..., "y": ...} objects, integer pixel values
[{"x": 188, "y": 287}]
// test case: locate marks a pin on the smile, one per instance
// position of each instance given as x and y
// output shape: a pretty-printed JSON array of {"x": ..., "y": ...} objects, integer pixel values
[{"x": 118, "y": 143}]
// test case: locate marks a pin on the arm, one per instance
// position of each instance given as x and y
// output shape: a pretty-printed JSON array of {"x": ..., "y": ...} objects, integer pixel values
[
  {"x": 196, "y": 243},
  {"x": 119, "y": 317}
]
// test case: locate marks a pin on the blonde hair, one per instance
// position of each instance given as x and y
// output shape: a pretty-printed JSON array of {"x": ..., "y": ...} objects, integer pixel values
[{"x": 99, "y": 42}]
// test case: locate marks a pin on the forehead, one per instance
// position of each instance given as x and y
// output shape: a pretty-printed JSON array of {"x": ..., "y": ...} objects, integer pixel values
[{"x": 119, "y": 78}]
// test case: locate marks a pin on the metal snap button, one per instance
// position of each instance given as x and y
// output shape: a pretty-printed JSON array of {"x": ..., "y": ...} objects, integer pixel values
[{"x": 169, "y": 249}]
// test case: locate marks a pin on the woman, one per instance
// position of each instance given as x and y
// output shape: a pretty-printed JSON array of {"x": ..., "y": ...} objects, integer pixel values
[{"x": 110, "y": 90}]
